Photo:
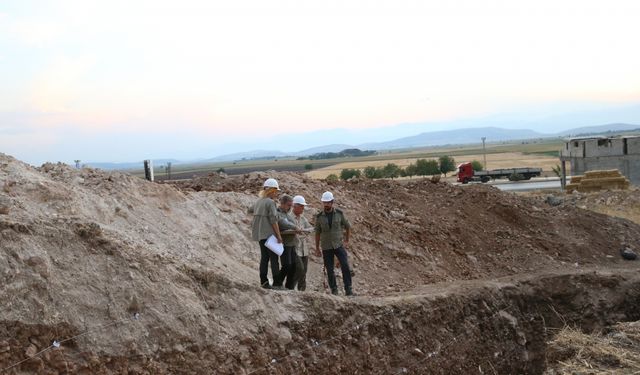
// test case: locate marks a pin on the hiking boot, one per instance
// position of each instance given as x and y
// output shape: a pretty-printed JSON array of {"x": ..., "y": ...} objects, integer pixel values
[
  {"x": 334, "y": 292},
  {"x": 266, "y": 285},
  {"x": 277, "y": 287},
  {"x": 348, "y": 292}
]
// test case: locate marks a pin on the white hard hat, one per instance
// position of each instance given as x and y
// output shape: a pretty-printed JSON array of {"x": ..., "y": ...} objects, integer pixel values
[
  {"x": 271, "y": 183},
  {"x": 299, "y": 199},
  {"x": 327, "y": 196}
]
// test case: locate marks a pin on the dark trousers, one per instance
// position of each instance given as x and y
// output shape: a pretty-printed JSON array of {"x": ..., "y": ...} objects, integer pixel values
[
  {"x": 288, "y": 270},
  {"x": 341, "y": 254},
  {"x": 302, "y": 264},
  {"x": 267, "y": 255}
]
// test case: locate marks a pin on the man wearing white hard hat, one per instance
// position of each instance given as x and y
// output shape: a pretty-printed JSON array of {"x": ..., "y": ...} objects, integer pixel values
[
  {"x": 332, "y": 236},
  {"x": 265, "y": 224},
  {"x": 302, "y": 252}
]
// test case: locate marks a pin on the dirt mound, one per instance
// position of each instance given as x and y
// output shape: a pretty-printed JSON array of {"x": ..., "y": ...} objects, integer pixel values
[
  {"x": 418, "y": 232},
  {"x": 103, "y": 272},
  {"x": 620, "y": 203}
]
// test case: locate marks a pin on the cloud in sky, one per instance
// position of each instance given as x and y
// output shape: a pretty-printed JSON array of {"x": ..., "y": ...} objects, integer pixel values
[{"x": 225, "y": 70}]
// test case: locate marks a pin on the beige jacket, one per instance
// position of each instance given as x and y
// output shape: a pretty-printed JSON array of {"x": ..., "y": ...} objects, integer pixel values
[{"x": 302, "y": 223}]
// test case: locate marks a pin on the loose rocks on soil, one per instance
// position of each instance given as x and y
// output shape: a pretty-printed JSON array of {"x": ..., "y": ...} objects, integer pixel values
[{"x": 139, "y": 277}]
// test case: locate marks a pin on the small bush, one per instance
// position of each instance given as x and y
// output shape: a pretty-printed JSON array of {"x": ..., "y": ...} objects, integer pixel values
[
  {"x": 332, "y": 178},
  {"x": 349, "y": 173},
  {"x": 426, "y": 167},
  {"x": 391, "y": 170},
  {"x": 372, "y": 172},
  {"x": 476, "y": 165},
  {"x": 447, "y": 164}
]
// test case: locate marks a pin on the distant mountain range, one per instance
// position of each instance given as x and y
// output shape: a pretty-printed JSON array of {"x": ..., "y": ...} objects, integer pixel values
[
  {"x": 459, "y": 136},
  {"x": 492, "y": 134},
  {"x": 436, "y": 138},
  {"x": 598, "y": 129}
]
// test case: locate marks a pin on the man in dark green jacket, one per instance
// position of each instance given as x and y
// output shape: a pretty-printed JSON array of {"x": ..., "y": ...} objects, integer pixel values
[
  {"x": 288, "y": 230},
  {"x": 332, "y": 236}
]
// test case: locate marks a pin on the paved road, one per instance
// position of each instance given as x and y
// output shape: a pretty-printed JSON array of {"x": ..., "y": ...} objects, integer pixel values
[
  {"x": 542, "y": 183},
  {"x": 529, "y": 185}
]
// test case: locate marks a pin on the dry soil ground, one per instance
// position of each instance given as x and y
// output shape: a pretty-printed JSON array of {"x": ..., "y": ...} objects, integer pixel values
[{"x": 103, "y": 273}]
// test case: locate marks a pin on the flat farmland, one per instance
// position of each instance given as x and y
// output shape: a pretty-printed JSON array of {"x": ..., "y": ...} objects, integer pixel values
[
  {"x": 494, "y": 161},
  {"x": 532, "y": 153}
]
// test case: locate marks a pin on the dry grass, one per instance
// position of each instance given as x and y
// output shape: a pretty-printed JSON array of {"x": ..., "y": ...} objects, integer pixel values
[
  {"x": 494, "y": 161},
  {"x": 624, "y": 204},
  {"x": 618, "y": 352}
]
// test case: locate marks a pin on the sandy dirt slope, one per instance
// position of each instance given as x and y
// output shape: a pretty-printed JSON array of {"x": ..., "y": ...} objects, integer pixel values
[{"x": 139, "y": 277}]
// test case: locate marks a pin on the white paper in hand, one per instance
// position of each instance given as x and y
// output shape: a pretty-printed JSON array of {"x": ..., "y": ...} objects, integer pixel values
[{"x": 273, "y": 245}]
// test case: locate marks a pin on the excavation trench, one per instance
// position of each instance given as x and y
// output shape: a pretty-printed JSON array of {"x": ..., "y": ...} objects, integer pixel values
[{"x": 499, "y": 326}]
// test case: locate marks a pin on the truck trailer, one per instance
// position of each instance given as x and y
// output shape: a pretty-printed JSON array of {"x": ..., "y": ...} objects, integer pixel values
[{"x": 467, "y": 174}]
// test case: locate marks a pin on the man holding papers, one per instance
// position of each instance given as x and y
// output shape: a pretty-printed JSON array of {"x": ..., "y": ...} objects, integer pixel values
[{"x": 264, "y": 225}]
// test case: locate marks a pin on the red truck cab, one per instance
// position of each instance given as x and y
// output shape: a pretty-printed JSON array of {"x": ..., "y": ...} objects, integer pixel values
[{"x": 465, "y": 173}]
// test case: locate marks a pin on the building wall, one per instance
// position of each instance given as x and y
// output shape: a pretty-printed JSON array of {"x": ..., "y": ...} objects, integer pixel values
[
  {"x": 603, "y": 147},
  {"x": 591, "y": 154},
  {"x": 633, "y": 146}
]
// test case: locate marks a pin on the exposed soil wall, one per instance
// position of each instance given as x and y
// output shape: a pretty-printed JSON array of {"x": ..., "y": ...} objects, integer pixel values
[
  {"x": 102, "y": 272},
  {"x": 497, "y": 326}
]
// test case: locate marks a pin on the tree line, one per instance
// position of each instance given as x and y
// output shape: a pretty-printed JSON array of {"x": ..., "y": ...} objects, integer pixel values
[
  {"x": 422, "y": 167},
  {"x": 349, "y": 152}
]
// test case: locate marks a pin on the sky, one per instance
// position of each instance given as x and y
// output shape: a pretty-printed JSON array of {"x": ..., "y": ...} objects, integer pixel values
[{"x": 130, "y": 80}]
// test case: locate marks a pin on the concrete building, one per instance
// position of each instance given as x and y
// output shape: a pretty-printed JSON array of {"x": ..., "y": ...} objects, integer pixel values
[{"x": 601, "y": 153}]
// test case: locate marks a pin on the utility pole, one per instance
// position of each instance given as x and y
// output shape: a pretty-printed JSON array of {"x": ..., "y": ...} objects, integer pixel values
[
  {"x": 148, "y": 170},
  {"x": 484, "y": 152},
  {"x": 169, "y": 170}
]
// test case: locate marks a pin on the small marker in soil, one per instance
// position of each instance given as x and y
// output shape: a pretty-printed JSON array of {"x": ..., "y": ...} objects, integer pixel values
[{"x": 56, "y": 344}]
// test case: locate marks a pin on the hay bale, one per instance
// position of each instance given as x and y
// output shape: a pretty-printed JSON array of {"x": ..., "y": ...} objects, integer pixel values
[
  {"x": 588, "y": 189},
  {"x": 602, "y": 181},
  {"x": 602, "y": 174},
  {"x": 593, "y": 181},
  {"x": 571, "y": 187}
]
